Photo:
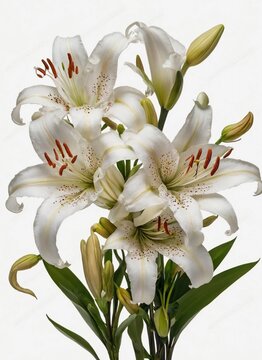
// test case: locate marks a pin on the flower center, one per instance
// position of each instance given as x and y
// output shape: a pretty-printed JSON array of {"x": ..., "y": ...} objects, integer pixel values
[{"x": 66, "y": 80}]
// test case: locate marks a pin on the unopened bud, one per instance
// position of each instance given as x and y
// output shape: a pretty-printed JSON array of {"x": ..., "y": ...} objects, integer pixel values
[
  {"x": 203, "y": 45},
  {"x": 100, "y": 230},
  {"x": 107, "y": 225},
  {"x": 161, "y": 322},
  {"x": 151, "y": 116},
  {"x": 234, "y": 131},
  {"x": 24, "y": 263},
  {"x": 202, "y": 100},
  {"x": 108, "y": 280},
  {"x": 92, "y": 264},
  {"x": 125, "y": 299}
]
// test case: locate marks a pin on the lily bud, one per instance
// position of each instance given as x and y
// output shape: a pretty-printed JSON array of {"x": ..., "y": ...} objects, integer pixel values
[
  {"x": 234, "y": 131},
  {"x": 203, "y": 45},
  {"x": 98, "y": 228},
  {"x": 24, "y": 263},
  {"x": 161, "y": 321},
  {"x": 107, "y": 225},
  {"x": 108, "y": 280},
  {"x": 151, "y": 116},
  {"x": 125, "y": 299},
  {"x": 92, "y": 264}
]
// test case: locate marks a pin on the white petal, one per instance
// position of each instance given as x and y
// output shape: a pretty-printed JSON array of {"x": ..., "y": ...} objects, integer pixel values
[
  {"x": 102, "y": 67},
  {"x": 69, "y": 45},
  {"x": 218, "y": 205},
  {"x": 142, "y": 272},
  {"x": 159, "y": 47},
  {"x": 127, "y": 108},
  {"x": 36, "y": 181},
  {"x": 39, "y": 94},
  {"x": 118, "y": 213},
  {"x": 111, "y": 148},
  {"x": 49, "y": 218},
  {"x": 147, "y": 81},
  {"x": 196, "y": 130},
  {"x": 88, "y": 121},
  {"x": 138, "y": 195},
  {"x": 152, "y": 147},
  {"x": 122, "y": 237},
  {"x": 187, "y": 212}
]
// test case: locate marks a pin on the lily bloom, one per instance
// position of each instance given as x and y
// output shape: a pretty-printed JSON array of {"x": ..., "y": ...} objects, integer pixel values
[
  {"x": 74, "y": 174},
  {"x": 165, "y": 56},
  {"x": 161, "y": 235},
  {"x": 187, "y": 174},
  {"x": 83, "y": 85}
]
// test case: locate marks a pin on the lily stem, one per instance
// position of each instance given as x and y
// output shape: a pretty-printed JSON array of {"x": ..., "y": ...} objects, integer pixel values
[{"x": 162, "y": 118}]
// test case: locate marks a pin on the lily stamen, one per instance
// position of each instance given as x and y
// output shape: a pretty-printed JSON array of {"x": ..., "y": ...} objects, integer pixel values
[
  {"x": 59, "y": 146},
  {"x": 62, "y": 168},
  {"x": 166, "y": 228},
  {"x": 67, "y": 149},
  {"x": 158, "y": 223},
  {"x": 208, "y": 158},
  {"x": 49, "y": 161},
  {"x": 216, "y": 166},
  {"x": 228, "y": 153}
]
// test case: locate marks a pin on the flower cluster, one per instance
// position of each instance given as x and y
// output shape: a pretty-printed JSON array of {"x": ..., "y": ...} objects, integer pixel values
[{"x": 104, "y": 145}]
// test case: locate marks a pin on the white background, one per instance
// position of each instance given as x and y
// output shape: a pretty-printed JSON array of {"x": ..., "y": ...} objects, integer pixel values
[{"x": 229, "y": 328}]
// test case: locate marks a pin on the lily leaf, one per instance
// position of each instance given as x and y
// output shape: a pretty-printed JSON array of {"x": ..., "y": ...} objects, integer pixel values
[
  {"x": 121, "y": 328},
  {"x": 75, "y": 337},
  {"x": 135, "y": 330},
  {"x": 219, "y": 252},
  {"x": 196, "y": 299}
]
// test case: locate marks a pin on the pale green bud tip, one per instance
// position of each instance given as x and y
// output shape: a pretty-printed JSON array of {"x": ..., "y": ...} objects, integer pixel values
[
  {"x": 234, "y": 131},
  {"x": 107, "y": 225},
  {"x": 203, "y": 45},
  {"x": 125, "y": 299},
  {"x": 92, "y": 264},
  {"x": 150, "y": 112},
  {"x": 24, "y": 263},
  {"x": 120, "y": 129},
  {"x": 98, "y": 228},
  {"x": 202, "y": 100},
  {"x": 161, "y": 322}
]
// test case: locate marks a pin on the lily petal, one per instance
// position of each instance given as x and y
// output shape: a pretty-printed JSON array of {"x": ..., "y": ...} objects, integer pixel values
[
  {"x": 49, "y": 218},
  {"x": 38, "y": 94},
  {"x": 102, "y": 66},
  {"x": 88, "y": 121},
  {"x": 218, "y": 205},
  {"x": 196, "y": 130},
  {"x": 127, "y": 108}
]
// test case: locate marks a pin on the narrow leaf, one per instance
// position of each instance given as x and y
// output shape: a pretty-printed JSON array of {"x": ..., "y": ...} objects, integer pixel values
[
  {"x": 135, "y": 330},
  {"x": 121, "y": 329},
  {"x": 75, "y": 337},
  {"x": 219, "y": 253},
  {"x": 196, "y": 299}
]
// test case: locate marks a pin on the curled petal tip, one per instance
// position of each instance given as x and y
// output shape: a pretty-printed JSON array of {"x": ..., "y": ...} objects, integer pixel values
[{"x": 12, "y": 205}]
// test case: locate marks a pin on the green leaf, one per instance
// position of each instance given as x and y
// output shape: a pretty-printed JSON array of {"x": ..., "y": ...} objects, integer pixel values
[
  {"x": 75, "y": 337},
  {"x": 119, "y": 273},
  {"x": 175, "y": 92},
  {"x": 219, "y": 253},
  {"x": 121, "y": 328},
  {"x": 75, "y": 291},
  {"x": 196, "y": 299},
  {"x": 135, "y": 329}
]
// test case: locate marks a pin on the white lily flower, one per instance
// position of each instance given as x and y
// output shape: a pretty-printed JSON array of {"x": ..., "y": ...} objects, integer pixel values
[
  {"x": 75, "y": 173},
  {"x": 162, "y": 235},
  {"x": 165, "y": 56},
  {"x": 186, "y": 174},
  {"x": 83, "y": 85}
]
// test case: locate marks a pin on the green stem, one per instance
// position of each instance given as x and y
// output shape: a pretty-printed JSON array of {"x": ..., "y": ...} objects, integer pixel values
[
  {"x": 162, "y": 118},
  {"x": 184, "y": 68},
  {"x": 219, "y": 141}
]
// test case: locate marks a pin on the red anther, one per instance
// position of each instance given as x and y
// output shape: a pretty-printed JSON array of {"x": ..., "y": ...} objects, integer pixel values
[
  {"x": 58, "y": 144},
  {"x": 208, "y": 158},
  {"x": 56, "y": 155},
  {"x": 62, "y": 168},
  {"x": 42, "y": 71},
  {"x": 45, "y": 64},
  {"x": 49, "y": 161},
  {"x": 67, "y": 150},
  {"x": 74, "y": 159},
  {"x": 199, "y": 153},
  {"x": 191, "y": 162},
  {"x": 76, "y": 70},
  {"x": 190, "y": 157},
  {"x": 166, "y": 228},
  {"x": 158, "y": 223},
  {"x": 216, "y": 166},
  {"x": 52, "y": 66},
  {"x": 70, "y": 59},
  {"x": 70, "y": 72},
  {"x": 40, "y": 76},
  {"x": 228, "y": 153}
]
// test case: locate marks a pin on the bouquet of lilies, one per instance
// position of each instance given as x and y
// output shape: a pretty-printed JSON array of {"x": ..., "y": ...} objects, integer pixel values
[{"x": 98, "y": 144}]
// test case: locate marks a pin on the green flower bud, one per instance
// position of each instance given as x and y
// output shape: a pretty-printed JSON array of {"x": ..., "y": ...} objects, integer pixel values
[
  {"x": 98, "y": 228},
  {"x": 125, "y": 299},
  {"x": 92, "y": 264},
  {"x": 108, "y": 280},
  {"x": 161, "y": 322},
  {"x": 24, "y": 263},
  {"x": 203, "y": 45},
  {"x": 234, "y": 131},
  {"x": 107, "y": 225},
  {"x": 151, "y": 116}
]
